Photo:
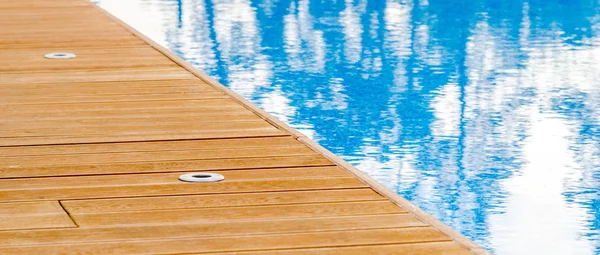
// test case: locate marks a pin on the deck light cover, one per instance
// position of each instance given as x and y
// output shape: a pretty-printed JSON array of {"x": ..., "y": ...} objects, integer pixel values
[
  {"x": 201, "y": 177},
  {"x": 60, "y": 55}
]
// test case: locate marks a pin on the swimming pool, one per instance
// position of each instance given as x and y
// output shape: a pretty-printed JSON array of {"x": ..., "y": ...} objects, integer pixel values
[{"x": 486, "y": 114}]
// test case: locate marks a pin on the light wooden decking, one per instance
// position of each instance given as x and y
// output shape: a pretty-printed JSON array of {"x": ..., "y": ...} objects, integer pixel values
[{"x": 91, "y": 149}]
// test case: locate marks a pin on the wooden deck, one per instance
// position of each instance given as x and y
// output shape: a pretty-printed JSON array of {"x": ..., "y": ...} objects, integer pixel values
[{"x": 91, "y": 149}]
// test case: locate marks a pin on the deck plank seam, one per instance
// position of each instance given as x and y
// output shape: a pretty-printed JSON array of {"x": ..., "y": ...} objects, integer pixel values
[{"x": 68, "y": 213}]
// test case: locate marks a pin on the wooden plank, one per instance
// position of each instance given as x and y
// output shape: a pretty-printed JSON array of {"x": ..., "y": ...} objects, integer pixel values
[
  {"x": 220, "y": 200},
  {"x": 22, "y": 65},
  {"x": 149, "y": 156},
  {"x": 112, "y": 180},
  {"x": 45, "y": 35},
  {"x": 130, "y": 114},
  {"x": 56, "y": 188},
  {"x": 204, "y": 130},
  {"x": 36, "y": 221},
  {"x": 112, "y": 98},
  {"x": 119, "y": 54},
  {"x": 243, "y": 243},
  {"x": 265, "y": 185},
  {"x": 164, "y": 104},
  {"x": 121, "y": 74},
  {"x": 148, "y": 136},
  {"x": 31, "y": 4},
  {"x": 124, "y": 41},
  {"x": 63, "y": 33},
  {"x": 133, "y": 120},
  {"x": 211, "y": 229},
  {"x": 163, "y": 132},
  {"x": 106, "y": 87},
  {"x": 18, "y": 23},
  {"x": 232, "y": 214},
  {"x": 28, "y": 208},
  {"x": 115, "y": 113},
  {"x": 34, "y": 60},
  {"x": 90, "y": 109},
  {"x": 49, "y": 20},
  {"x": 428, "y": 248},
  {"x": 57, "y": 92},
  {"x": 54, "y": 45},
  {"x": 107, "y": 64},
  {"x": 36, "y": 215},
  {"x": 13, "y": 171},
  {"x": 75, "y": 115},
  {"x": 148, "y": 146}
]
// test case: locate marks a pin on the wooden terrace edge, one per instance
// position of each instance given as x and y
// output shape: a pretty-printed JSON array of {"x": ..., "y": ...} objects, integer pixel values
[{"x": 378, "y": 187}]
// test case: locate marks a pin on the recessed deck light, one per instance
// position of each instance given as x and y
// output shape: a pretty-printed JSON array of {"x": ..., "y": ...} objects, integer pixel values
[
  {"x": 201, "y": 177},
  {"x": 60, "y": 55}
]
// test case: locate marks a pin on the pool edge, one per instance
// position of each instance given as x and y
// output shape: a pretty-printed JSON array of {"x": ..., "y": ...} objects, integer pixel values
[{"x": 375, "y": 185}]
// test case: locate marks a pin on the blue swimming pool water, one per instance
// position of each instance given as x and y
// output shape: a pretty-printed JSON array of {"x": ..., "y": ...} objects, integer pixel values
[{"x": 486, "y": 114}]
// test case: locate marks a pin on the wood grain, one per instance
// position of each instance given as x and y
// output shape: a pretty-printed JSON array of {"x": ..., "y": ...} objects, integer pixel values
[
  {"x": 151, "y": 156},
  {"x": 232, "y": 214},
  {"x": 163, "y": 166},
  {"x": 211, "y": 229},
  {"x": 121, "y": 74},
  {"x": 429, "y": 248},
  {"x": 220, "y": 200},
  {"x": 183, "y": 189},
  {"x": 113, "y": 98},
  {"x": 242, "y": 243},
  {"x": 258, "y": 142},
  {"x": 33, "y": 215}
]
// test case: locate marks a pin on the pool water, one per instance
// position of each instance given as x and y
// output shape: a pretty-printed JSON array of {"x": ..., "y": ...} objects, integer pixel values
[{"x": 486, "y": 114}]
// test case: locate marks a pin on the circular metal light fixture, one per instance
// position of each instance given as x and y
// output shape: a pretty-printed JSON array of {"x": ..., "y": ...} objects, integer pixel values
[
  {"x": 59, "y": 55},
  {"x": 201, "y": 177}
]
